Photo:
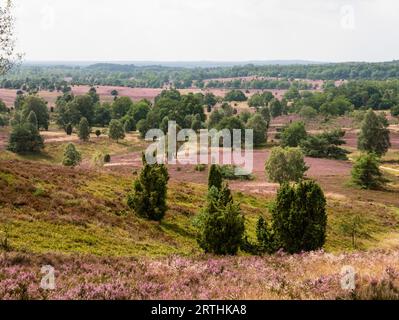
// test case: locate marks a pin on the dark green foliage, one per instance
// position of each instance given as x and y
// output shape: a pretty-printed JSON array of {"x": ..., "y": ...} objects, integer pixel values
[
  {"x": 285, "y": 165},
  {"x": 72, "y": 157},
  {"x": 325, "y": 145},
  {"x": 215, "y": 178},
  {"x": 121, "y": 106},
  {"x": 210, "y": 99},
  {"x": 235, "y": 95},
  {"x": 129, "y": 124},
  {"x": 107, "y": 158},
  {"x": 265, "y": 236},
  {"x": 395, "y": 111},
  {"x": 259, "y": 127},
  {"x": 276, "y": 108},
  {"x": 293, "y": 134},
  {"x": 116, "y": 131},
  {"x": 299, "y": 217},
  {"x": 69, "y": 129},
  {"x": 265, "y": 113},
  {"x": 366, "y": 172},
  {"x": 39, "y": 107},
  {"x": 84, "y": 130},
  {"x": 25, "y": 138},
  {"x": 221, "y": 224},
  {"x": 102, "y": 114},
  {"x": 338, "y": 106},
  {"x": 374, "y": 134},
  {"x": 148, "y": 198},
  {"x": 98, "y": 133}
]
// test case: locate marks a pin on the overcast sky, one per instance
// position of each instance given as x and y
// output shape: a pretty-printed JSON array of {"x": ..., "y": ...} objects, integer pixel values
[{"x": 217, "y": 30}]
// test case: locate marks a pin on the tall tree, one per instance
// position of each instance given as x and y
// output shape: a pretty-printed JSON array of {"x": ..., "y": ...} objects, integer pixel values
[
  {"x": 39, "y": 107},
  {"x": 84, "y": 130},
  {"x": 374, "y": 134}
]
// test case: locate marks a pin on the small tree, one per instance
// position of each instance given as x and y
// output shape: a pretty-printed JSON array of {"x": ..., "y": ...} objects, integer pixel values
[
  {"x": 259, "y": 127},
  {"x": 299, "y": 217},
  {"x": 285, "y": 165},
  {"x": 116, "y": 131},
  {"x": 366, "y": 172},
  {"x": 84, "y": 130},
  {"x": 98, "y": 133},
  {"x": 69, "y": 129},
  {"x": 215, "y": 178},
  {"x": 221, "y": 224},
  {"x": 25, "y": 138},
  {"x": 374, "y": 134},
  {"x": 148, "y": 198},
  {"x": 293, "y": 135},
  {"x": 72, "y": 157}
]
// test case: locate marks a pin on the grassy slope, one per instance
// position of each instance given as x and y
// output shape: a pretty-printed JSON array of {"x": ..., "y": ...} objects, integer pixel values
[{"x": 48, "y": 208}]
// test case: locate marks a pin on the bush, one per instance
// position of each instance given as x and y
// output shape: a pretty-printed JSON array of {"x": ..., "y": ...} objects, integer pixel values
[
  {"x": 366, "y": 172},
  {"x": 116, "y": 131},
  {"x": 84, "y": 130},
  {"x": 25, "y": 138},
  {"x": 69, "y": 129},
  {"x": 374, "y": 134},
  {"x": 308, "y": 112},
  {"x": 293, "y": 134},
  {"x": 72, "y": 157},
  {"x": 259, "y": 127},
  {"x": 235, "y": 95},
  {"x": 148, "y": 198},
  {"x": 107, "y": 158},
  {"x": 220, "y": 224},
  {"x": 299, "y": 218},
  {"x": 325, "y": 145},
  {"x": 285, "y": 165},
  {"x": 215, "y": 178},
  {"x": 229, "y": 172},
  {"x": 98, "y": 133}
]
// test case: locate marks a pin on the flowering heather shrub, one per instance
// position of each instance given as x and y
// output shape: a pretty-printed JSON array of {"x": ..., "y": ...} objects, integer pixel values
[{"x": 314, "y": 275}]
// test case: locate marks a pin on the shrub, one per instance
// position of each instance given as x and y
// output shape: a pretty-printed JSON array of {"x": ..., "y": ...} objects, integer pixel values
[
  {"x": 116, "y": 131},
  {"x": 259, "y": 127},
  {"x": 221, "y": 224},
  {"x": 215, "y": 178},
  {"x": 285, "y": 165},
  {"x": 25, "y": 138},
  {"x": 235, "y": 95},
  {"x": 325, "y": 145},
  {"x": 366, "y": 172},
  {"x": 107, "y": 158},
  {"x": 98, "y": 133},
  {"x": 72, "y": 157},
  {"x": 84, "y": 130},
  {"x": 293, "y": 134},
  {"x": 148, "y": 198},
  {"x": 395, "y": 111},
  {"x": 374, "y": 134},
  {"x": 299, "y": 218},
  {"x": 69, "y": 129},
  {"x": 308, "y": 112}
]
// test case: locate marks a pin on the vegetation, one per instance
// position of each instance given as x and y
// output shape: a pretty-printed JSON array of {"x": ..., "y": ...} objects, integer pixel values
[
  {"x": 293, "y": 135},
  {"x": 116, "y": 131},
  {"x": 366, "y": 172},
  {"x": 72, "y": 157},
  {"x": 285, "y": 165},
  {"x": 374, "y": 134},
  {"x": 84, "y": 130},
  {"x": 148, "y": 198}
]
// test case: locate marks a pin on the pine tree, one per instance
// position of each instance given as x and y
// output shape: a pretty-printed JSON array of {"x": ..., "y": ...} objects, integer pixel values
[
  {"x": 366, "y": 172},
  {"x": 25, "y": 138},
  {"x": 84, "y": 130},
  {"x": 72, "y": 157},
  {"x": 221, "y": 224},
  {"x": 299, "y": 217},
  {"x": 148, "y": 198},
  {"x": 215, "y": 178},
  {"x": 374, "y": 134}
]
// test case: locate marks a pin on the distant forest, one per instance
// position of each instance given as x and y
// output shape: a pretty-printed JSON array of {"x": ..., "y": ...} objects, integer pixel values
[{"x": 51, "y": 77}]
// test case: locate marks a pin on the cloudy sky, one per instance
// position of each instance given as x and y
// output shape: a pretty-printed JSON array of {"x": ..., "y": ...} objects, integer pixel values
[{"x": 217, "y": 30}]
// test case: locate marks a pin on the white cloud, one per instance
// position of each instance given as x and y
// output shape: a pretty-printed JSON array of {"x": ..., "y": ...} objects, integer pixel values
[{"x": 207, "y": 30}]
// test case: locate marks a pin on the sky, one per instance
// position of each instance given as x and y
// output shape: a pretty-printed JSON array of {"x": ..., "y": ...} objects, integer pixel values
[{"x": 208, "y": 30}]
